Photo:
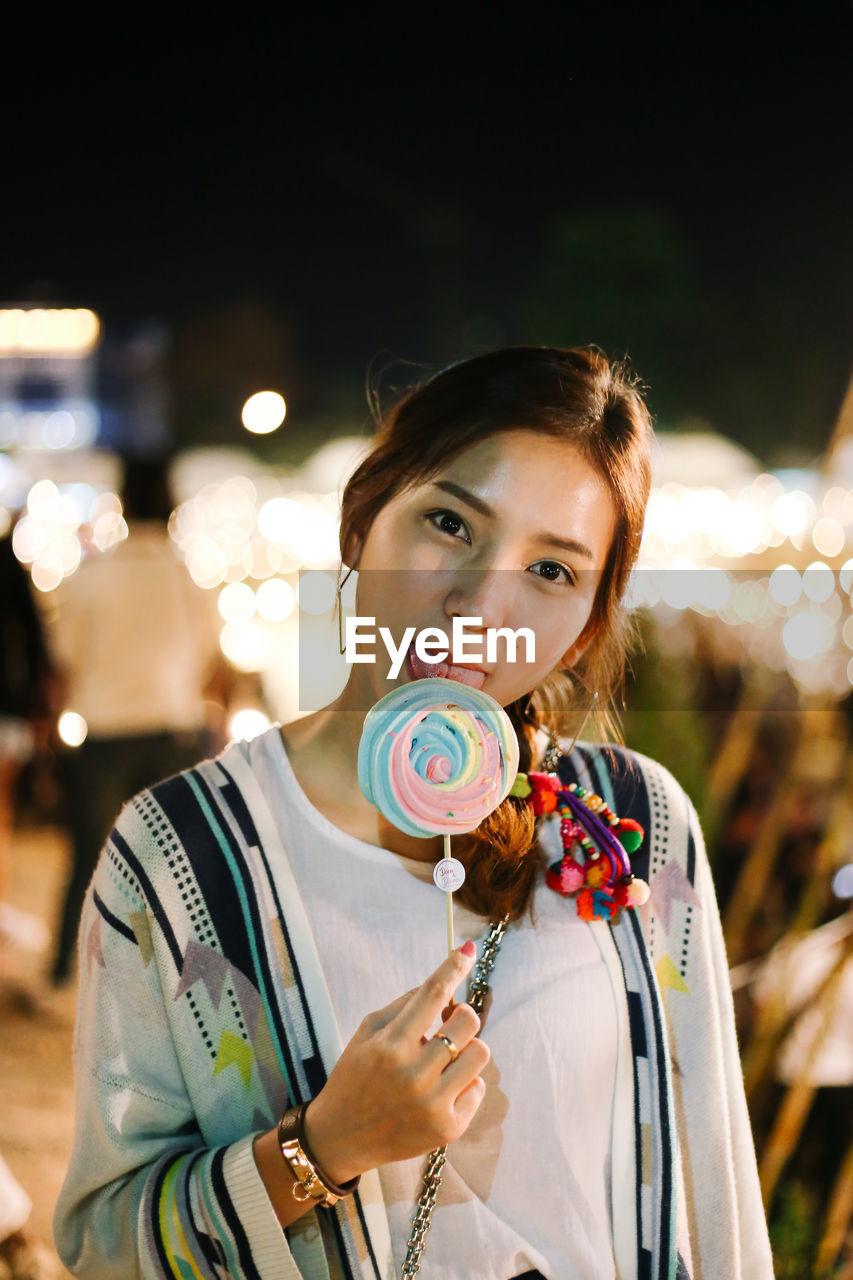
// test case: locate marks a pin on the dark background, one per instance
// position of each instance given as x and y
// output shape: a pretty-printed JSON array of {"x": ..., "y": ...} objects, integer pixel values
[{"x": 296, "y": 202}]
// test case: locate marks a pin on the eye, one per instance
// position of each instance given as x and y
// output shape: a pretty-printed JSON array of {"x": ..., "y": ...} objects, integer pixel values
[
  {"x": 553, "y": 571},
  {"x": 449, "y": 522}
]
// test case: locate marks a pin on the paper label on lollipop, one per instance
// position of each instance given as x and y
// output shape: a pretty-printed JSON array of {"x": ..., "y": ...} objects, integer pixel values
[{"x": 449, "y": 874}]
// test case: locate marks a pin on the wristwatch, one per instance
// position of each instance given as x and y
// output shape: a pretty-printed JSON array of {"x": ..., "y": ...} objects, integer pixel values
[{"x": 311, "y": 1183}]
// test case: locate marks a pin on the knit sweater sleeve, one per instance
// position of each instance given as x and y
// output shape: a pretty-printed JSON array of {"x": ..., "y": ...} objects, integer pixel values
[
  {"x": 727, "y": 1224},
  {"x": 145, "y": 1194},
  {"x": 744, "y": 1250}
]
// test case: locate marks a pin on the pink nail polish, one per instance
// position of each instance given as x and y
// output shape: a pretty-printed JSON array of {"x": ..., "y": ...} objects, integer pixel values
[{"x": 468, "y": 949}]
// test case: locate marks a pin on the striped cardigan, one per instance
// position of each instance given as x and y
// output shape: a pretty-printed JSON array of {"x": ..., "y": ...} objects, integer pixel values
[{"x": 204, "y": 1011}]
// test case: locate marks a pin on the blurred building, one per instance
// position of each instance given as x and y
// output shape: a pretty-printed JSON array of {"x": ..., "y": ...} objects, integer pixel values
[
  {"x": 47, "y": 377},
  {"x": 65, "y": 384}
]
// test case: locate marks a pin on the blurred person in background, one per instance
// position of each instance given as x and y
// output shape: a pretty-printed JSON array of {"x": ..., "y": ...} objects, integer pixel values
[
  {"x": 136, "y": 642},
  {"x": 26, "y": 695},
  {"x": 25, "y": 698}
]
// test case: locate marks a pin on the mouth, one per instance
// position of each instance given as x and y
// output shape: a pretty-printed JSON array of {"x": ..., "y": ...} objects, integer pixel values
[{"x": 474, "y": 677}]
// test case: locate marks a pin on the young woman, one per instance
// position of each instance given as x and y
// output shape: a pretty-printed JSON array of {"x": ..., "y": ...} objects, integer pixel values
[{"x": 258, "y": 936}]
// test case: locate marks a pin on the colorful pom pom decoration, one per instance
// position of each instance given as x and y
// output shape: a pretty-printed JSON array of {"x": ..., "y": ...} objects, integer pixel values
[{"x": 595, "y": 867}]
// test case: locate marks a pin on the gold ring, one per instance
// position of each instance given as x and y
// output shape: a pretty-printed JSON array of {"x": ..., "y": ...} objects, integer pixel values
[{"x": 454, "y": 1052}]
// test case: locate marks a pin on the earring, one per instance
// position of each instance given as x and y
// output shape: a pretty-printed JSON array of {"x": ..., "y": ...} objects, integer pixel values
[
  {"x": 341, "y": 585},
  {"x": 589, "y": 712},
  {"x": 554, "y": 751}
]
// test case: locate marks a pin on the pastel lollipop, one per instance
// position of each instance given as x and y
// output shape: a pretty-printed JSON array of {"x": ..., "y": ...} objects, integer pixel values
[{"x": 436, "y": 757}]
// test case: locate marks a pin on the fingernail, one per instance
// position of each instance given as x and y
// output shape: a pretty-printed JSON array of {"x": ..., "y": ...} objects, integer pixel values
[{"x": 468, "y": 949}]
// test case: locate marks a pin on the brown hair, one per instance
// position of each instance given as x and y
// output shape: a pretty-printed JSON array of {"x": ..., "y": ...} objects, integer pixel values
[{"x": 575, "y": 395}]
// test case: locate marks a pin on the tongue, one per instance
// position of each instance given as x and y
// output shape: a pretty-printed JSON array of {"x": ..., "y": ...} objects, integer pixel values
[
  {"x": 444, "y": 670},
  {"x": 476, "y": 679}
]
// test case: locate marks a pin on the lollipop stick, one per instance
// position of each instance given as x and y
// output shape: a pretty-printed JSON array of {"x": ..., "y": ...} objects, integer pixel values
[{"x": 449, "y": 896}]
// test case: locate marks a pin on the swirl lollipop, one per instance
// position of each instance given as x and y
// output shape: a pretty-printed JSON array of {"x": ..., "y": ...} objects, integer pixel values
[{"x": 435, "y": 758}]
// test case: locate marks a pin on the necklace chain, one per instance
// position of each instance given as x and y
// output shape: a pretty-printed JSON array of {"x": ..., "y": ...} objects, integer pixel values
[
  {"x": 478, "y": 989},
  {"x": 553, "y": 755}
]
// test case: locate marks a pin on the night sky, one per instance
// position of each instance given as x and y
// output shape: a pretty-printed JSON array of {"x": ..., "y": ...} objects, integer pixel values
[{"x": 392, "y": 183}]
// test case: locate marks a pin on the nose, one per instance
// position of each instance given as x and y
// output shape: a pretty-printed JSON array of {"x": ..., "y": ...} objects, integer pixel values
[{"x": 479, "y": 593}]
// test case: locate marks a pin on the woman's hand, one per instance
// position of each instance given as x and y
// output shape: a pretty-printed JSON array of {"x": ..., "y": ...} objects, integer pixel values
[{"x": 393, "y": 1093}]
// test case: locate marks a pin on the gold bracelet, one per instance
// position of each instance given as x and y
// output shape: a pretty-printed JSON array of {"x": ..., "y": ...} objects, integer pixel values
[{"x": 311, "y": 1183}]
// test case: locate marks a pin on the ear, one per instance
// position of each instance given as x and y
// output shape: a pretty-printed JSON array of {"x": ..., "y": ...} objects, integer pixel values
[{"x": 584, "y": 640}]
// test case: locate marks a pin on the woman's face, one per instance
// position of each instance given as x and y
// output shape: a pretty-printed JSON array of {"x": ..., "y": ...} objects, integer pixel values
[{"x": 516, "y": 531}]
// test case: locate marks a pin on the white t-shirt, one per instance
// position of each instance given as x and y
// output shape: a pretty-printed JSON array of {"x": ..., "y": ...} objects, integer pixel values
[{"x": 529, "y": 1183}]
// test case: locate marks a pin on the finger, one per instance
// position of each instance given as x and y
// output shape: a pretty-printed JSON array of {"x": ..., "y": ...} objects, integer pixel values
[
  {"x": 460, "y": 1028},
  {"x": 380, "y": 1018},
  {"x": 471, "y": 1062},
  {"x": 468, "y": 1102},
  {"x": 419, "y": 1013}
]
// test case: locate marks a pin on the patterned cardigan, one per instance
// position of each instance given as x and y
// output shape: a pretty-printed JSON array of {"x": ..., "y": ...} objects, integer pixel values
[{"x": 204, "y": 1011}]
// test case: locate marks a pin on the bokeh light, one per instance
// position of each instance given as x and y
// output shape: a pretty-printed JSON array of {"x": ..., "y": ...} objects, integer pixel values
[
  {"x": 44, "y": 501},
  {"x": 245, "y": 645},
  {"x": 47, "y": 572},
  {"x": 276, "y": 599},
  {"x": 317, "y": 592},
  {"x": 237, "y": 602},
  {"x": 785, "y": 585},
  {"x": 791, "y": 512},
  {"x": 806, "y": 636},
  {"x": 847, "y": 632},
  {"x": 264, "y": 412},
  {"x": 247, "y": 723},
  {"x": 842, "y": 881},
  {"x": 818, "y": 581},
  {"x": 72, "y": 728},
  {"x": 828, "y": 537},
  {"x": 108, "y": 530},
  {"x": 55, "y": 331}
]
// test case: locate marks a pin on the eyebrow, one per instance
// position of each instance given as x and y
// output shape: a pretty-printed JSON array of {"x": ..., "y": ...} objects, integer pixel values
[{"x": 477, "y": 504}]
